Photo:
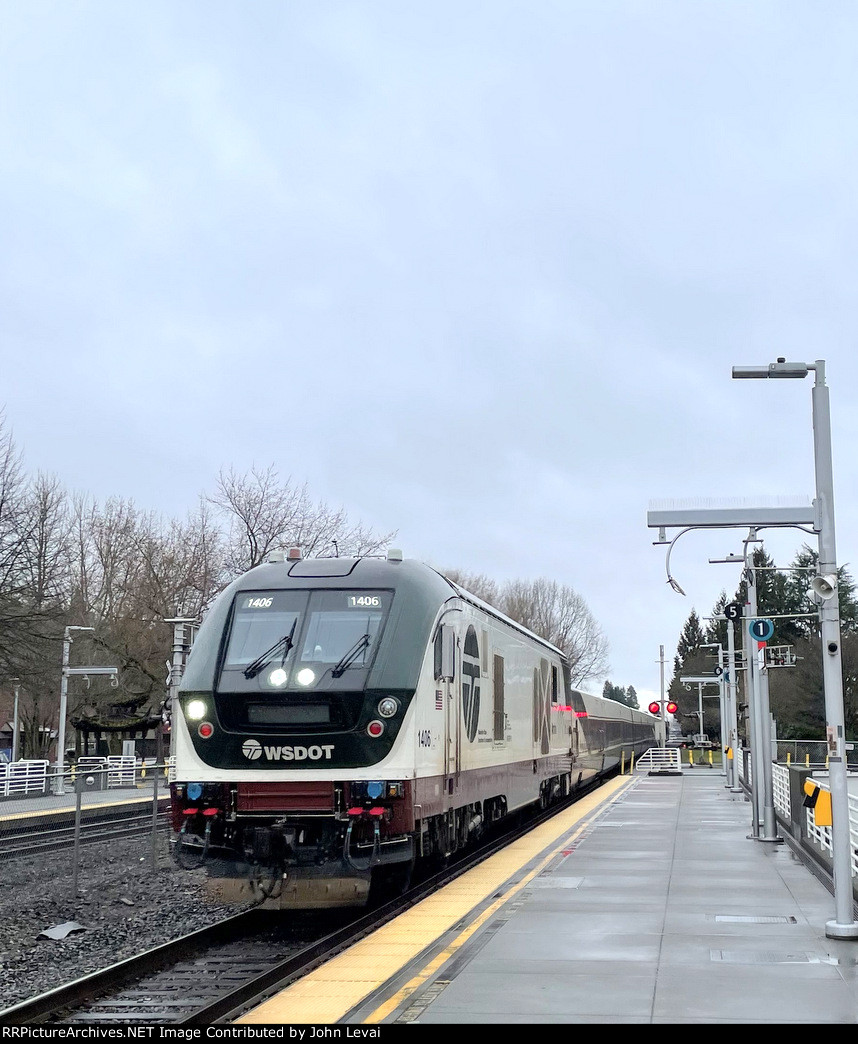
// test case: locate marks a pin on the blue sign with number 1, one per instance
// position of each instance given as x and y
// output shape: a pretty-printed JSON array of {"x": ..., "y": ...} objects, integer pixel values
[{"x": 762, "y": 630}]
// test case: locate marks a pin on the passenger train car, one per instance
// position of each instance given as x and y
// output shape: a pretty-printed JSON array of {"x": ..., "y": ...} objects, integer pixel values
[{"x": 341, "y": 719}]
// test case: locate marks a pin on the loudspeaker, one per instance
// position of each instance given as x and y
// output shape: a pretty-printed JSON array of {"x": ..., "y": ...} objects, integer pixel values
[{"x": 824, "y": 586}]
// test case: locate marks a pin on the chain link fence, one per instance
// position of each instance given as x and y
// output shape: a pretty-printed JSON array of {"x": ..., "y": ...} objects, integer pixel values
[
  {"x": 812, "y": 753},
  {"x": 53, "y": 820}
]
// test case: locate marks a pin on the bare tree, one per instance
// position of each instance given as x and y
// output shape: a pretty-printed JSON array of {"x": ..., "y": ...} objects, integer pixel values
[
  {"x": 264, "y": 514},
  {"x": 46, "y": 542},
  {"x": 556, "y": 612},
  {"x": 26, "y": 618}
]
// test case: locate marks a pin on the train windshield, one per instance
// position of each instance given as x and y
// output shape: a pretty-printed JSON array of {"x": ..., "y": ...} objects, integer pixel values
[
  {"x": 265, "y": 622},
  {"x": 300, "y": 640},
  {"x": 343, "y": 628}
]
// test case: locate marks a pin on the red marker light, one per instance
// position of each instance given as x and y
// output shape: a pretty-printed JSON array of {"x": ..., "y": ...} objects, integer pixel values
[
  {"x": 375, "y": 729},
  {"x": 205, "y": 730}
]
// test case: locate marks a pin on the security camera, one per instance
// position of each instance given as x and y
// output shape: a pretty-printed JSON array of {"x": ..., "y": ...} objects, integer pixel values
[
  {"x": 824, "y": 586},
  {"x": 832, "y": 647}
]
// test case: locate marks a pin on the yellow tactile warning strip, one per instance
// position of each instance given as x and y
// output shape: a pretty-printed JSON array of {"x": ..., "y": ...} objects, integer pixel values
[
  {"x": 106, "y": 803},
  {"x": 329, "y": 992}
]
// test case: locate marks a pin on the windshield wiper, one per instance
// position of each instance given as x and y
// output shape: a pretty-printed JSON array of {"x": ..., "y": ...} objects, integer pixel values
[
  {"x": 262, "y": 661},
  {"x": 351, "y": 656}
]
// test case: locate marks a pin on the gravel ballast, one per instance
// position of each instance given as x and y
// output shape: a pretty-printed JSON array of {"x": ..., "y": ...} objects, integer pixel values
[{"x": 125, "y": 905}]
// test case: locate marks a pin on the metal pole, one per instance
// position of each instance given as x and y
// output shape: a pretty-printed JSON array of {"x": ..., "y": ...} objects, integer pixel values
[
  {"x": 700, "y": 711},
  {"x": 844, "y": 925},
  {"x": 59, "y": 781},
  {"x": 77, "y": 805},
  {"x": 770, "y": 831},
  {"x": 15, "y": 726},
  {"x": 722, "y": 710},
  {"x": 734, "y": 712},
  {"x": 753, "y": 702},
  {"x": 155, "y": 814},
  {"x": 182, "y": 642}
]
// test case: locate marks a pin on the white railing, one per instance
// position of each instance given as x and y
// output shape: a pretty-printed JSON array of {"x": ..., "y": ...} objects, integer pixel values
[
  {"x": 780, "y": 790},
  {"x": 659, "y": 759},
  {"x": 822, "y": 834},
  {"x": 23, "y": 777},
  {"x": 122, "y": 771}
]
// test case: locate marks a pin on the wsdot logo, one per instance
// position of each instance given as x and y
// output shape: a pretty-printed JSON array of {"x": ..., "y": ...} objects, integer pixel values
[{"x": 251, "y": 749}]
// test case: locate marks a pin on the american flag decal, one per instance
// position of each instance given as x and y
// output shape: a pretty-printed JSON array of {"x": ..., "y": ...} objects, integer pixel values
[{"x": 439, "y": 699}]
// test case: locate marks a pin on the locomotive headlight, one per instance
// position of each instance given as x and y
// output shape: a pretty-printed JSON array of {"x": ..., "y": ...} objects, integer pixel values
[
  {"x": 195, "y": 710},
  {"x": 277, "y": 677},
  {"x": 305, "y": 677},
  {"x": 388, "y": 707}
]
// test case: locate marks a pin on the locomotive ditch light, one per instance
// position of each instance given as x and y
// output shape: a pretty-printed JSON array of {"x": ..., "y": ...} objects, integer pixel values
[
  {"x": 196, "y": 710},
  {"x": 305, "y": 677}
]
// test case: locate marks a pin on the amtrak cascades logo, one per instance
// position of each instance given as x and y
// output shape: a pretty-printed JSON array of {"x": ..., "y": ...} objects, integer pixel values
[
  {"x": 471, "y": 689},
  {"x": 253, "y": 750}
]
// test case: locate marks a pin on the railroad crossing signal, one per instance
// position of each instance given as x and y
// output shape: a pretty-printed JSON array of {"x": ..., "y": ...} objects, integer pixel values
[{"x": 655, "y": 707}]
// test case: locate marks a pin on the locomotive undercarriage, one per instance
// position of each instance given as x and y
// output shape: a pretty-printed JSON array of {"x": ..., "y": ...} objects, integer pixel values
[
  {"x": 346, "y": 857},
  {"x": 295, "y": 862}
]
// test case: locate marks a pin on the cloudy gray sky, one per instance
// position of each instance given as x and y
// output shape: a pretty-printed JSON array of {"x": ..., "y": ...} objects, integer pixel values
[{"x": 476, "y": 271}]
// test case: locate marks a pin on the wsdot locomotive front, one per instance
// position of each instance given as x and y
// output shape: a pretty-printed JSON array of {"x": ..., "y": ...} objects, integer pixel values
[{"x": 340, "y": 719}]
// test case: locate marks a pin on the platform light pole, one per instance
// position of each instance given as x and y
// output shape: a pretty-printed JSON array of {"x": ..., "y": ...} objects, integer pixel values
[
  {"x": 844, "y": 925},
  {"x": 59, "y": 781}
]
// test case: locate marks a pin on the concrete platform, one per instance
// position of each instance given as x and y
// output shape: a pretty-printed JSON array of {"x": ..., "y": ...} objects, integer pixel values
[{"x": 646, "y": 904}]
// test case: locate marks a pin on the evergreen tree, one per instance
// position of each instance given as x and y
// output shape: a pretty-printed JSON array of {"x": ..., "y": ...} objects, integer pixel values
[
  {"x": 796, "y": 692},
  {"x": 628, "y": 697}
]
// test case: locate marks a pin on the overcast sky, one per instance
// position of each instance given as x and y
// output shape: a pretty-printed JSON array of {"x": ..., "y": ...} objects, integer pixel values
[{"x": 476, "y": 271}]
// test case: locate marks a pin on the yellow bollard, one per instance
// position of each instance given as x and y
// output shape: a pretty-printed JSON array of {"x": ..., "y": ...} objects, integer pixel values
[
  {"x": 788, "y": 758},
  {"x": 711, "y": 762},
  {"x": 691, "y": 757},
  {"x": 807, "y": 761},
  {"x": 632, "y": 765},
  {"x": 622, "y": 762}
]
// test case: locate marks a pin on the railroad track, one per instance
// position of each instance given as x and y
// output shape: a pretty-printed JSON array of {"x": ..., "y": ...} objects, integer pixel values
[
  {"x": 107, "y": 826},
  {"x": 218, "y": 973}
]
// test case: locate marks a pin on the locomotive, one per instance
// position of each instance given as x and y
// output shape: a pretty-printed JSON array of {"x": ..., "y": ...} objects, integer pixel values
[{"x": 342, "y": 720}]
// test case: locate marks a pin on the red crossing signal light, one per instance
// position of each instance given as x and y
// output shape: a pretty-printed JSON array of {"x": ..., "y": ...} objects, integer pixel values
[
  {"x": 672, "y": 708},
  {"x": 654, "y": 707}
]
